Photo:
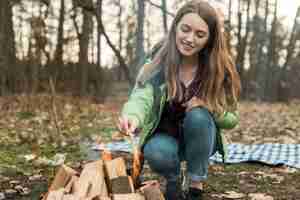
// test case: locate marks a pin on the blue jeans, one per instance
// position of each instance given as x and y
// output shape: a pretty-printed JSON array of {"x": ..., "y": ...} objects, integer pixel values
[{"x": 164, "y": 153}]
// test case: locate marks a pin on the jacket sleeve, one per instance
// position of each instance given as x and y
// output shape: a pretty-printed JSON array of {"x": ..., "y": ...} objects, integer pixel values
[
  {"x": 139, "y": 104},
  {"x": 227, "y": 120}
]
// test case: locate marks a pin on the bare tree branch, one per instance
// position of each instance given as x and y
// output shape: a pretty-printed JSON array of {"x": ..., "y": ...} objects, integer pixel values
[
  {"x": 117, "y": 53},
  {"x": 160, "y": 7},
  {"x": 85, "y": 6},
  {"x": 73, "y": 17}
]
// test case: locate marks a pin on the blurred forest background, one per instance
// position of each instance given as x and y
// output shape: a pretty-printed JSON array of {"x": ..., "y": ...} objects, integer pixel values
[{"x": 81, "y": 47}]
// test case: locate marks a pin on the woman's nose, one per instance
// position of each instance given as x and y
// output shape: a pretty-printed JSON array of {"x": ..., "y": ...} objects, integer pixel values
[{"x": 190, "y": 38}]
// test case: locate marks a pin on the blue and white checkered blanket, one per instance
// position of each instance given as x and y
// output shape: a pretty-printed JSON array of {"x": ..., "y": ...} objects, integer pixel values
[
  {"x": 272, "y": 154},
  {"x": 269, "y": 153}
]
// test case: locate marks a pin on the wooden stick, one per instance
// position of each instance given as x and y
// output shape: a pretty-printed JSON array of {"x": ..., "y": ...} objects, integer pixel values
[
  {"x": 54, "y": 109},
  {"x": 137, "y": 160}
]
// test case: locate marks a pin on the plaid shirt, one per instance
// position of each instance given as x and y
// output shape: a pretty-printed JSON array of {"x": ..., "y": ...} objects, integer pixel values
[{"x": 174, "y": 111}]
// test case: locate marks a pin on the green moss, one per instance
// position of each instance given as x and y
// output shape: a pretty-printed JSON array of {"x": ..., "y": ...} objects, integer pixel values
[{"x": 25, "y": 115}]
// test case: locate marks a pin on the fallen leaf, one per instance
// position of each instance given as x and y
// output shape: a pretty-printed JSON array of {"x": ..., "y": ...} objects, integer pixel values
[
  {"x": 233, "y": 195},
  {"x": 57, "y": 160},
  {"x": 10, "y": 191},
  {"x": 2, "y": 196},
  {"x": 260, "y": 196},
  {"x": 25, "y": 191},
  {"x": 14, "y": 182},
  {"x": 278, "y": 179},
  {"x": 35, "y": 177},
  {"x": 30, "y": 157},
  {"x": 286, "y": 170}
]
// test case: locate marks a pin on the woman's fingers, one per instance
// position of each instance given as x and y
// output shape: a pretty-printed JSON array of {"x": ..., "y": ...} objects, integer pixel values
[
  {"x": 126, "y": 126},
  {"x": 132, "y": 127},
  {"x": 121, "y": 125}
]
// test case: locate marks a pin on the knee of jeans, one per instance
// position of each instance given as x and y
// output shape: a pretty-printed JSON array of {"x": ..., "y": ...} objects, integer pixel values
[
  {"x": 198, "y": 117},
  {"x": 162, "y": 156}
]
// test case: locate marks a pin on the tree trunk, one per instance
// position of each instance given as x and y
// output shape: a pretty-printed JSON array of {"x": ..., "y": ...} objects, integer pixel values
[
  {"x": 87, "y": 27},
  {"x": 262, "y": 69},
  {"x": 229, "y": 14},
  {"x": 58, "y": 55},
  {"x": 271, "y": 62},
  {"x": 140, "y": 50},
  {"x": 283, "y": 93},
  {"x": 120, "y": 27},
  {"x": 292, "y": 41},
  {"x": 100, "y": 84},
  {"x": 252, "y": 85},
  {"x": 164, "y": 14},
  {"x": 239, "y": 34},
  {"x": 7, "y": 43},
  {"x": 243, "y": 41}
]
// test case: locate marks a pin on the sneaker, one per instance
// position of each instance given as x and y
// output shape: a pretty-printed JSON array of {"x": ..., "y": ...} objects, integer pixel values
[{"x": 194, "y": 194}]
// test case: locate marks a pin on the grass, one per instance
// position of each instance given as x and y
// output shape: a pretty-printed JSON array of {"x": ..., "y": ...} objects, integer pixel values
[{"x": 26, "y": 132}]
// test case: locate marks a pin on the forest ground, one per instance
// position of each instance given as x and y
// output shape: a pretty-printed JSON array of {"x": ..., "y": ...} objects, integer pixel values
[{"x": 38, "y": 132}]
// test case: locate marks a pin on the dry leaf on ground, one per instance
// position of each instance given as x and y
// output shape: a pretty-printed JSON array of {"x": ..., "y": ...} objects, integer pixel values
[
  {"x": 233, "y": 195},
  {"x": 260, "y": 196}
]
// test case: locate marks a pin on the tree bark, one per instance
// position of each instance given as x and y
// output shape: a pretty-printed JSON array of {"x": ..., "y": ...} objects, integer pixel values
[
  {"x": 101, "y": 94},
  {"x": 292, "y": 41},
  {"x": 7, "y": 43},
  {"x": 252, "y": 86},
  {"x": 243, "y": 41},
  {"x": 139, "y": 50},
  {"x": 283, "y": 93},
  {"x": 58, "y": 55},
  {"x": 87, "y": 27},
  {"x": 164, "y": 14},
  {"x": 120, "y": 27},
  {"x": 271, "y": 64}
]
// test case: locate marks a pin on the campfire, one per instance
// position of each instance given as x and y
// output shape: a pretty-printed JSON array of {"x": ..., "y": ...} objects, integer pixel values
[{"x": 104, "y": 179}]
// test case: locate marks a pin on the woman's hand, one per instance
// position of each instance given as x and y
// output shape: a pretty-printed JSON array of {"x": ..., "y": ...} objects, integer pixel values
[
  {"x": 127, "y": 126},
  {"x": 194, "y": 102}
]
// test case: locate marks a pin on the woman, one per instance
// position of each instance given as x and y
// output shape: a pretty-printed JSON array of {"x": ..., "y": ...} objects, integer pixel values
[{"x": 183, "y": 98}]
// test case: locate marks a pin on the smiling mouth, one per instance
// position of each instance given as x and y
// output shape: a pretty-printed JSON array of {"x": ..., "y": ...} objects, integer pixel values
[{"x": 187, "y": 46}]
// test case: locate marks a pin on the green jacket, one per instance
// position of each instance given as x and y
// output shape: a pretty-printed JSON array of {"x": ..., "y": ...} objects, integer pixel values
[{"x": 146, "y": 103}]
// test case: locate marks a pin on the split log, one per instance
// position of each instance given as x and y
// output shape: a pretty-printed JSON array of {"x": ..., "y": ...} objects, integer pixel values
[
  {"x": 122, "y": 185},
  {"x": 151, "y": 190},
  {"x": 117, "y": 179},
  {"x": 56, "y": 194},
  {"x": 73, "y": 197},
  {"x": 91, "y": 182},
  {"x": 115, "y": 168},
  {"x": 132, "y": 196},
  {"x": 62, "y": 177},
  {"x": 100, "y": 198},
  {"x": 70, "y": 197},
  {"x": 71, "y": 185}
]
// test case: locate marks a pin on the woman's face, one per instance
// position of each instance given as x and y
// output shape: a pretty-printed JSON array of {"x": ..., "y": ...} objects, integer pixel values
[{"x": 192, "y": 34}]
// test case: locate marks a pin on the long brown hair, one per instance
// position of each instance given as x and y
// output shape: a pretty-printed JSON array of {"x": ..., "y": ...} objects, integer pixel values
[{"x": 220, "y": 83}]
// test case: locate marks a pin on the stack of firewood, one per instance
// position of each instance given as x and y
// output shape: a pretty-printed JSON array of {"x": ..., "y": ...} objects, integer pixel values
[{"x": 100, "y": 180}]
